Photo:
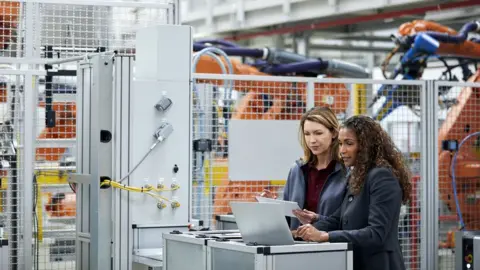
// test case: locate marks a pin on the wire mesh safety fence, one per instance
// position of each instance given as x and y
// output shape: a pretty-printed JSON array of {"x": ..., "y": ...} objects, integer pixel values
[
  {"x": 397, "y": 108},
  {"x": 11, "y": 22},
  {"x": 236, "y": 139},
  {"x": 55, "y": 29},
  {"x": 214, "y": 106},
  {"x": 71, "y": 30},
  {"x": 55, "y": 159},
  {"x": 12, "y": 188},
  {"x": 458, "y": 174},
  {"x": 16, "y": 168}
]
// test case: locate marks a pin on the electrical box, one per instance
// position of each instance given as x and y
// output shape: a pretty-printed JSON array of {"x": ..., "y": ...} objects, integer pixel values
[
  {"x": 153, "y": 143},
  {"x": 467, "y": 250}
]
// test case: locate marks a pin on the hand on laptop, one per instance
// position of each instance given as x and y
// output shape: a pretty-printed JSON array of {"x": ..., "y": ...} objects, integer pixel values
[
  {"x": 268, "y": 194},
  {"x": 305, "y": 216},
  {"x": 309, "y": 233}
]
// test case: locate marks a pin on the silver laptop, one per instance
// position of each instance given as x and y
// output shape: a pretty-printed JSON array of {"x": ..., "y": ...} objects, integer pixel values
[{"x": 262, "y": 223}]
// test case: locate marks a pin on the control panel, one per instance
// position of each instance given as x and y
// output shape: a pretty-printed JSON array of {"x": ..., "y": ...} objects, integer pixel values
[{"x": 467, "y": 245}]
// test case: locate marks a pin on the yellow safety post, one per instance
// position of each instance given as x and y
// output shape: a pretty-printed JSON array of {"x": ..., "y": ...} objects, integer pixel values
[
  {"x": 3, "y": 186},
  {"x": 39, "y": 214},
  {"x": 359, "y": 95}
]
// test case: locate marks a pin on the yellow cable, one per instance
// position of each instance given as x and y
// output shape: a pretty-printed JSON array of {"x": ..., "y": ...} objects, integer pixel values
[{"x": 147, "y": 190}]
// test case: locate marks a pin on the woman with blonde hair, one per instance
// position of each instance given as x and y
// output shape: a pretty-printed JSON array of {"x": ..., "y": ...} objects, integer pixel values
[{"x": 317, "y": 180}]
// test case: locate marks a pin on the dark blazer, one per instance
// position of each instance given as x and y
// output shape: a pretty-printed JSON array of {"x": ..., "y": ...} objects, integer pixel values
[
  {"x": 331, "y": 196},
  {"x": 369, "y": 221}
]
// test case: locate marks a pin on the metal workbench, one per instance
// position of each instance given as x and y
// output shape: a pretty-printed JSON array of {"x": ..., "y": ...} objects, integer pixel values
[
  {"x": 193, "y": 245},
  {"x": 222, "y": 250},
  {"x": 226, "y": 222}
]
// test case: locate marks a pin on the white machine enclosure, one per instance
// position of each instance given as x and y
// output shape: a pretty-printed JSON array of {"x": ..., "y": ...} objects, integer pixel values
[
  {"x": 93, "y": 241},
  {"x": 119, "y": 94},
  {"x": 236, "y": 255},
  {"x": 161, "y": 70}
]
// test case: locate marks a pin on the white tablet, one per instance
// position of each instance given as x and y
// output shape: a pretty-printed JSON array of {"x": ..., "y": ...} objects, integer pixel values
[{"x": 288, "y": 206}]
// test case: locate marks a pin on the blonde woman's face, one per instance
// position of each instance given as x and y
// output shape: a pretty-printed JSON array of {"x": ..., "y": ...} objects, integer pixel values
[{"x": 318, "y": 137}]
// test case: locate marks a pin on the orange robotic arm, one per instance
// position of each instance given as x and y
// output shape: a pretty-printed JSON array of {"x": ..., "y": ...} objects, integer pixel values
[
  {"x": 460, "y": 191},
  {"x": 288, "y": 98},
  {"x": 462, "y": 120},
  {"x": 467, "y": 48}
]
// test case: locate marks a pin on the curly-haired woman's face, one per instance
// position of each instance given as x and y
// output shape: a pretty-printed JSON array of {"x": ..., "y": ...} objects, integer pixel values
[
  {"x": 318, "y": 137},
  {"x": 348, "y": 145}
]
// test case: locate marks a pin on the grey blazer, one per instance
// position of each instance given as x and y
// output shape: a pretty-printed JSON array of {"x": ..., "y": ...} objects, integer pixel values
[
  {"x": 369, "y": 221},
  {"x": 331, "y": 197}
]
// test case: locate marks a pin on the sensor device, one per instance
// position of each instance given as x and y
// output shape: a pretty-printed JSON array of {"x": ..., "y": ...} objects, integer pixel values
[{"x": 467, "y": 250}]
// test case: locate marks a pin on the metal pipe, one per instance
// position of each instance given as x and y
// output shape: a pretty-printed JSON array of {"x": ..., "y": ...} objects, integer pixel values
[
  {"x": 317, "y": 65},
  {"x": 256, "y": 53},
  {"x": 77, "y": 58},
  {"x": 338, "y": 68},
  {"x": 113, "y": 3},
  {"x": 229, "y": 64},
  {"x": 55, "y": 168},
  {"x": 330, "y": 67},
  {"x": 196, "y": 58},
  {"x": 348, "y": 48},
  {"x": 217, "y": 42},
  {"x": 354, "y": 20},
  {"x": 43, "y": 61},
  {"x": 275, "y": 56},
  {"x": 55, "y": 142}
]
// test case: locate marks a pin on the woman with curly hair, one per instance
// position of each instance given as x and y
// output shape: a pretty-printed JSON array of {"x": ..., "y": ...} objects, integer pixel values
[{"x": 378, "y": 183}]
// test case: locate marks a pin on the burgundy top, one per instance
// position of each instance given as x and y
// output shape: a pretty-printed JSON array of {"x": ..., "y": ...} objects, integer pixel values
[{"x": 316, "y": 179}]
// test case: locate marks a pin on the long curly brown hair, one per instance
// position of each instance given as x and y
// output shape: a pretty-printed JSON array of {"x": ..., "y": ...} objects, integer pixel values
[{"x": 377, "y": 149}]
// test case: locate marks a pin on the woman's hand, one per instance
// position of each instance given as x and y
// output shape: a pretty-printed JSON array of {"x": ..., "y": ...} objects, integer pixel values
[
  {"x": 305, "y": 216},
  {"x": 310, "y": 233},
  {"x": 268, "y": 194}
]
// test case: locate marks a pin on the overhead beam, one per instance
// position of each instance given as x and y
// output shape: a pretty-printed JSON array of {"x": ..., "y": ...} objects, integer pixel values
[
  {"x": 348, "y": 48},
  {"x": 357, "y": 20},
  {"x": 359, "y": 38}
]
